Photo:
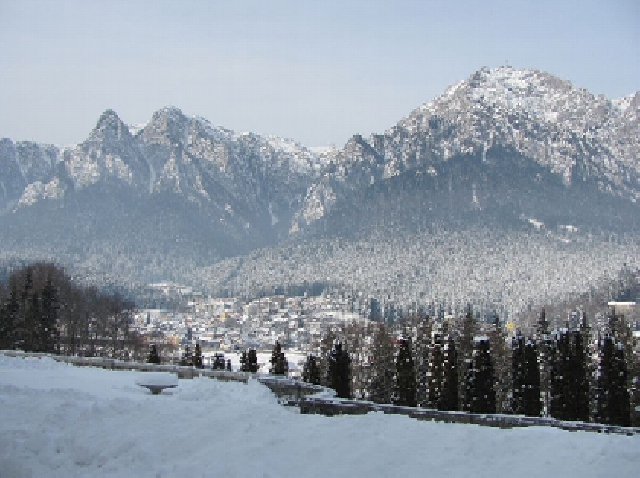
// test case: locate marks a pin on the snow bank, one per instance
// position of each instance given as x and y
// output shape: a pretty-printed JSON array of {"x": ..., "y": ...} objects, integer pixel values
[{"x": 57, "y": 420}]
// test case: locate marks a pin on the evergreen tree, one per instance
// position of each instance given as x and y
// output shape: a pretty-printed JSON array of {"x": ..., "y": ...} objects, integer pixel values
[
  {"x": 218, "y": 362},
  {"x": 435, "y": 375},
  {"x": 252, "y": 361},
  {"x": 580, "y": 376},
  {"x": 49, "y": 333},
  {"x": 449, "y": 395},
  {"x": 569, "y": 386},
  {"x": 326, "y": 346},
  {"x": 465, "y": 350},
  {"x": 423, "y": 347},
  {"x": 244, "y": 362},
  {"x": 620, "y": 331},
  {"x": 382, "y": 367},
  {"x": 480, "y": 396},
  {"x": 545, "y": 348},
  {"x": 198, "y": 362},
  {"x": 532, "y": 399},
  {"x": 526, "y": 377},
  {"x": 612, "y": 395},
  {"x": 501, "y": 355},
  {"x": 187, "y": 357},
  {"x": 311, "y": 371},
  {"x": 279, "y": 364},
  {"x": 405, "y": 386},
  {"x": 42, "y": 310},
  {"x": 9, "y": 325},
  {"x": 33, "y": 335},
  {"x": 153, "y": 355},
  {"x": 339, "y": 371}
]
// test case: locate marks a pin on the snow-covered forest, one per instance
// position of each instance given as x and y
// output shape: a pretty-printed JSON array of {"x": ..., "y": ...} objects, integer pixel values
[{"x": 509, "y": 273}]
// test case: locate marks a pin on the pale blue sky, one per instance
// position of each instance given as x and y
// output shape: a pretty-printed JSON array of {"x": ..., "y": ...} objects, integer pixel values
[{"x": 313, "y": 71}]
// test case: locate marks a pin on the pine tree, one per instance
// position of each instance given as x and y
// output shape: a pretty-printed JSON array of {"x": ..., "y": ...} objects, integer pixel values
[
  {"x": 580, "y": 376},
  {"x": 49, "y": 333},
  {"x": 382, "y": 367},
  {"x": 218, "y": 362},
  {"x": 339, "y": 371},
  {"x": 187, "y": 357},
  {"x": 153, "y": 355},
  {"x": 311, "y": 371},
  {"x": 465, "y": 350},
  {"x": 326, "y": 346},
  {"x": 423, "y": 346},
  {"x": 252, "y": 361},
  {"x": 480, "y": 396},
  {"x": 558, "y": 358},
  {"x": 620, "y": 331},
  {"x": 244, "y": 362},
  {"x": 33, "y": 320},
  {"x": 501, "y": 355},
  {"x": 518, "y": 370},
  {"x": 449, "y": 395},
  {"x": 545, "y": 348},
  {"x": 612, "y": 396},
  {"x": 279, "y": 364},
  {"x": 9, "y": 325},
  {"x": 197, "y": 357},
  {"x": 569, "y": 385},
  {"x": 526, "y": 377},
  {"x": 405, "y": 386},
  {"x": 532, "y": 399},
  {"x": 435, "y": 375}
]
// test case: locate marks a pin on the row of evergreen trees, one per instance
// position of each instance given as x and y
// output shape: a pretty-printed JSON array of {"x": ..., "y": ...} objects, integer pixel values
[
  {"x": 563, "y": 374},
  {"x": 43, "y": 310}
]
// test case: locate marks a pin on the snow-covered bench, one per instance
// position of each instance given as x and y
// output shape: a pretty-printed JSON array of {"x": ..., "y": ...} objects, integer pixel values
[{"x": 156, "y": 382}]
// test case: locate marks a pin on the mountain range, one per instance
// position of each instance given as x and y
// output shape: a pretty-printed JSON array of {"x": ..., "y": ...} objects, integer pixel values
[{"x": 507, "y": 155}]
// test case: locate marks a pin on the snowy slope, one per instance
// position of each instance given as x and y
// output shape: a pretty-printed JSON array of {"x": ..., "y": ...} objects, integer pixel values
[{"x": 60, "y": 421}]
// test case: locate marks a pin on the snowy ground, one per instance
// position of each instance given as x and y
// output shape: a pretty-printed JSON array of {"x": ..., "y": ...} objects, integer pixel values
[{"x": 58, "y": 420}]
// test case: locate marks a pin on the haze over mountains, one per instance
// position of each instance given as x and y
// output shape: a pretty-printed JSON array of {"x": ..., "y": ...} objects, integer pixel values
[{"x": 480, "y": 194}]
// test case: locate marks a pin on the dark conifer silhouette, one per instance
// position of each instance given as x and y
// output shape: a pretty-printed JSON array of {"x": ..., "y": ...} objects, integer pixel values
[
  {"x": 153, "y": 355},
  {"x": 279, "y": 364},
  {"x": 545, "y": 347},
  {"x": 569, "y": 386},
  {"x": 43, "y": 310},
  {"x": 339, "y": 371},
  {"x": 218, "y": 362},
  {"x": 405, "y": 386},
  {"x": 198, "y": 361},
  {"x": 435, "y": 373},
  {"x": 423, "y": 348},
  {"x": 48, "y": 330},
  {"x": 465, "y": 350},
  {"x": 449, "y": 395},
  {"x": 187, "y": 357},
  {"x": 480, "y": 396},
  {"x": 249, "y": 361},
  {"x": 382, "y": 367},
  {"x": 311, "y": 371},
  {"x": 612, "y": 396},
  {"x": 526, "y": 377}
]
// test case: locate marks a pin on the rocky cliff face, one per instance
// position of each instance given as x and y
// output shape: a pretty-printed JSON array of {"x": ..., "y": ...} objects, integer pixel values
[
  {"x": 252, "y": 181},
  {"x": 531, "y": 114},
  {"x": 502, "y": 147}
]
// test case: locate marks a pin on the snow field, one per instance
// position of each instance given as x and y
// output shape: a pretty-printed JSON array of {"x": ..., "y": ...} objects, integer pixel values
[{"x": 58, "y": 420}]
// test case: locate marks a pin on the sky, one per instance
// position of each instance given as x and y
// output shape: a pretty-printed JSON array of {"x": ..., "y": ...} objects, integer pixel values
[{"x": 316, "y": 72}]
